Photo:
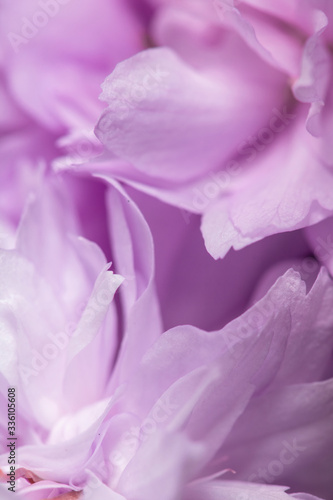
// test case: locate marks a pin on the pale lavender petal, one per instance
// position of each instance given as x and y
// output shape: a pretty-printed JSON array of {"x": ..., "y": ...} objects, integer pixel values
[
  {"x": 176, "y": 123},
  {"x": 133, "y": 251},
  {"x": 299, "y": 186}
]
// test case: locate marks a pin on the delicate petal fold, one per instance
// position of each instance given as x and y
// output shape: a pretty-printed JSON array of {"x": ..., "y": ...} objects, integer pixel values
[
  {"x": 201, "y": 383},
  {"x": 175, "y": 123},
  {"x": 133, "y": 249},
  {"x": 288, "y": 188}
]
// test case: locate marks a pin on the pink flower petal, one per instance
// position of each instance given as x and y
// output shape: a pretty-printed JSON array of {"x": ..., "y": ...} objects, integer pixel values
[{"x": 175, "y": 123}]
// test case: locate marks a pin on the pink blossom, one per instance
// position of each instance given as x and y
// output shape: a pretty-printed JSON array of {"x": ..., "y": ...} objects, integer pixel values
[
  {"x": 143, "y": 368},
  {"x": 58, "y": 45},
  {"x": 49, "y": 50},
  {"x": 235, "y": 105},
  {"x": 99, "y": 410}
]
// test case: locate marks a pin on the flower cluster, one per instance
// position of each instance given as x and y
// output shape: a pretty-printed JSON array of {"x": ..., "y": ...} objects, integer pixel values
[{"x": 166, "y": 249}]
